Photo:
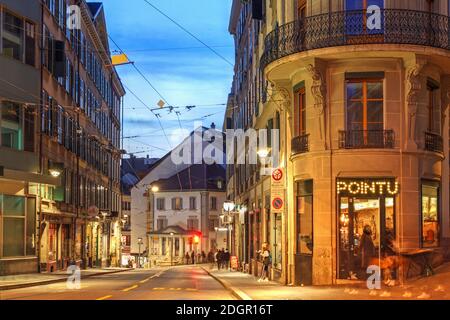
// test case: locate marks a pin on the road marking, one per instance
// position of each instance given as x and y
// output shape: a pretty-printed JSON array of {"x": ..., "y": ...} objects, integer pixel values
[
  {"x": 191, "y": 289},
  {"x": 104, "y": 298},
  {"x": 144, "y": 281},
  {"x": 130, "y": 288},
  {"x": 159, "y": 288}
]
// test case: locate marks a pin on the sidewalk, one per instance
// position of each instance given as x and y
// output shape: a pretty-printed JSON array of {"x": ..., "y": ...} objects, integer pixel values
[
  {"x": 246, "y": 287},
  {"x": 37, "y": 279}
]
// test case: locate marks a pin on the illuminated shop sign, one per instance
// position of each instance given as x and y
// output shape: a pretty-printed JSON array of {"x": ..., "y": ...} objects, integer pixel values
[{"x": 367, "y": 187}]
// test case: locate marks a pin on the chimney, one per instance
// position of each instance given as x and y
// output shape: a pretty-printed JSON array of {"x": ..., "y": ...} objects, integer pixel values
[{"x": 213, "y": 125}]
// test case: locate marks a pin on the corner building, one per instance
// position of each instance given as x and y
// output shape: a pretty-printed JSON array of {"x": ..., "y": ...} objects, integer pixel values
[{"x": 364, "y": 96}]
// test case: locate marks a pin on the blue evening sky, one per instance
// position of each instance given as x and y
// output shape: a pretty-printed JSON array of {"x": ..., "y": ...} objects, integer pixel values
[{"x": 184, "y": 71}]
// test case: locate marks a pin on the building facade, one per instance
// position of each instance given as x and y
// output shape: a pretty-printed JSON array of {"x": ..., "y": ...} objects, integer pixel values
[
  {"x": 80, "y": 128},
  {"x": 20, "y": 171},
  {"x": 360, "y": 91},
  {"x": 187, "y": 216},
  {"x": 132, "y": 170}
]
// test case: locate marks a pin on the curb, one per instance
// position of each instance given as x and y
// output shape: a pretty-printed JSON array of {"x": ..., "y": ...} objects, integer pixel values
[
  {"x": 238, "y": 293},
  {"x": 45, "y": 282}
]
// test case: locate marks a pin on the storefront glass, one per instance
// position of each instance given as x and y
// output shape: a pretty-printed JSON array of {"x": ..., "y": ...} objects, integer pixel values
[
  {"x": 18, "y": 215},
  {"x": 430, "y": 214},
  {"x": 366, "y": 224},
  {"x": 277, "y": 254}
]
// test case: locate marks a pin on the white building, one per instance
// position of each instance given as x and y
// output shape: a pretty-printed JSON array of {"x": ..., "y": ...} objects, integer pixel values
[
  {"x": 194, "y": 150},
  {"x": 187, "y": 210}
]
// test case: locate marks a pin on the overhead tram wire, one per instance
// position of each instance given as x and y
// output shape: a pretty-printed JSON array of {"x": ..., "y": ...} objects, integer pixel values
[{"x": 189, "y": 33}]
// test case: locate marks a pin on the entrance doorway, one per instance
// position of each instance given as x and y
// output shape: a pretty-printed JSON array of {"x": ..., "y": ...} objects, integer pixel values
[{"x": 366, "y": 227}]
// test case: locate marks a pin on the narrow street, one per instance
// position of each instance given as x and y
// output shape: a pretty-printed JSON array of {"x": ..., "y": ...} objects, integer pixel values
[{"x": 176, "y": 283}]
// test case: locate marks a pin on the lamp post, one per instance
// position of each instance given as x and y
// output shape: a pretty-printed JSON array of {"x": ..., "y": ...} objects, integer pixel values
[
  {"x": 139, "y": 257},
  {"x": 227, "y": 219},
  {"x": 171, "y": 249}
]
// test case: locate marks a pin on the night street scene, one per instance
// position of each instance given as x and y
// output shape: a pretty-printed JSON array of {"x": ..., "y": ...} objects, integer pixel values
[{"x": 225, "y": 150}]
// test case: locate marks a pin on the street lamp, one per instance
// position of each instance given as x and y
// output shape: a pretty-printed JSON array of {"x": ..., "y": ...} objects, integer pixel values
[
  {"x": 154, "y": 188},
  {"x": 55, "y": 168},
  {"x": 139, "y": 257},
  {"x": 227, "y": 219},
  {"x": 263, "y": 152},
  {"x": 171, "y": 248}
]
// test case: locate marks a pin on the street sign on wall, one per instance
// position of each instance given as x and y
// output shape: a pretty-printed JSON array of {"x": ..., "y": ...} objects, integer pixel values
[{"x": 277, "y": 190}]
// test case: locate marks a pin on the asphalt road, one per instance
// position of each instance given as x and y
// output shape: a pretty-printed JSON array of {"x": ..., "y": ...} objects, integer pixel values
[{"x": 175, "y": 283}]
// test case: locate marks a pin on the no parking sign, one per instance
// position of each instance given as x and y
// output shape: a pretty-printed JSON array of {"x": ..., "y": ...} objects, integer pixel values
[{"x": 277, "y": 203}]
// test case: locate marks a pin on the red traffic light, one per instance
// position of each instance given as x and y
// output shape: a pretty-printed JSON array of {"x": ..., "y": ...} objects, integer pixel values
[{"x": 196, "y": 239}]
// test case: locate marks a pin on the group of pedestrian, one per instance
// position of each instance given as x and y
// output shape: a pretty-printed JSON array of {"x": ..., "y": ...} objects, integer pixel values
[
  {"x": 222, "y": 259},
  {"x": 195, "y": 258}
]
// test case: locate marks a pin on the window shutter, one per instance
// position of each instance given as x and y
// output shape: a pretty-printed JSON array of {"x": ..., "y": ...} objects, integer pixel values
[{"x": 174, "y": 203}]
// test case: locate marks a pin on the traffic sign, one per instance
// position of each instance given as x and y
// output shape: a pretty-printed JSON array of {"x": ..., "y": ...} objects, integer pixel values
[
  {"x": 277, "y": 175},
  {"x": 277, "y": 203}
]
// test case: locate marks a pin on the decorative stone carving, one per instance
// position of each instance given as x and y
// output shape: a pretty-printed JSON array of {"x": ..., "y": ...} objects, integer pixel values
[
  {"x": 318, "y": 90},
  {"x": 280, "y": 96},
  {"x": 414, "y": 86}
]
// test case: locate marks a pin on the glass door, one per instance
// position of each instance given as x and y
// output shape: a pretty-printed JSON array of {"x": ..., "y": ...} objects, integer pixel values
[{"x": 359, "y": 236}]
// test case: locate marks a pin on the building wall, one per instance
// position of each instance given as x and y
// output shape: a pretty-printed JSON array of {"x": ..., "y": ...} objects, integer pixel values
[
  {"x": 20, "y": 83},
  {"x": 325, "y": 161}
]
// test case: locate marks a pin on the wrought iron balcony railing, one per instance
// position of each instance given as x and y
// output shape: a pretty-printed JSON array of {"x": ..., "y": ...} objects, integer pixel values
[
  {"x": 300, "y": 144},
  {"x": 434, "y": 142},
  {"x": 366, "y": 139},
  {"x": 350, "y": 27}
]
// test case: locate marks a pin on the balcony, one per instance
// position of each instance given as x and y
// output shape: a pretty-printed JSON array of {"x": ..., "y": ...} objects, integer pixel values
[
  {"x": 434, "y": 142},
  {"x": 348, "y": 28},
  {"x": 300, "y": 144},
  {"x": 367, "y": 139}
]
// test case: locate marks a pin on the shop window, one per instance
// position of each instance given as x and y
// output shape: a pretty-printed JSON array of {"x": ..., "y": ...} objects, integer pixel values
[
  {"x": 11, "y": 125},
  {"x": 12, "y": 36},
  {"x": 430, "y": 214},
  {"x": 277, "y": 244},
  {"x": 305, "y": 218},
  {"x": 12, "y": 212}
]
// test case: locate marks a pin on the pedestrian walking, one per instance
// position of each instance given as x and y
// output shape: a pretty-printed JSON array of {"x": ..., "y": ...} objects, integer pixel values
[
  {"x": 203, "y": 257},
  {"x": 226, "y": 259},
  {"x": 193, "y": 257},
  {"x": 187, "y": 257},
  {"x": 267, "y": 261},
  {"x": 219, "y": 259}
]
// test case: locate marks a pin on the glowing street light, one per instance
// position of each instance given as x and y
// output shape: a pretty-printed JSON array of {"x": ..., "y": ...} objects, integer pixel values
[{"x": 263, "y": 153}]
